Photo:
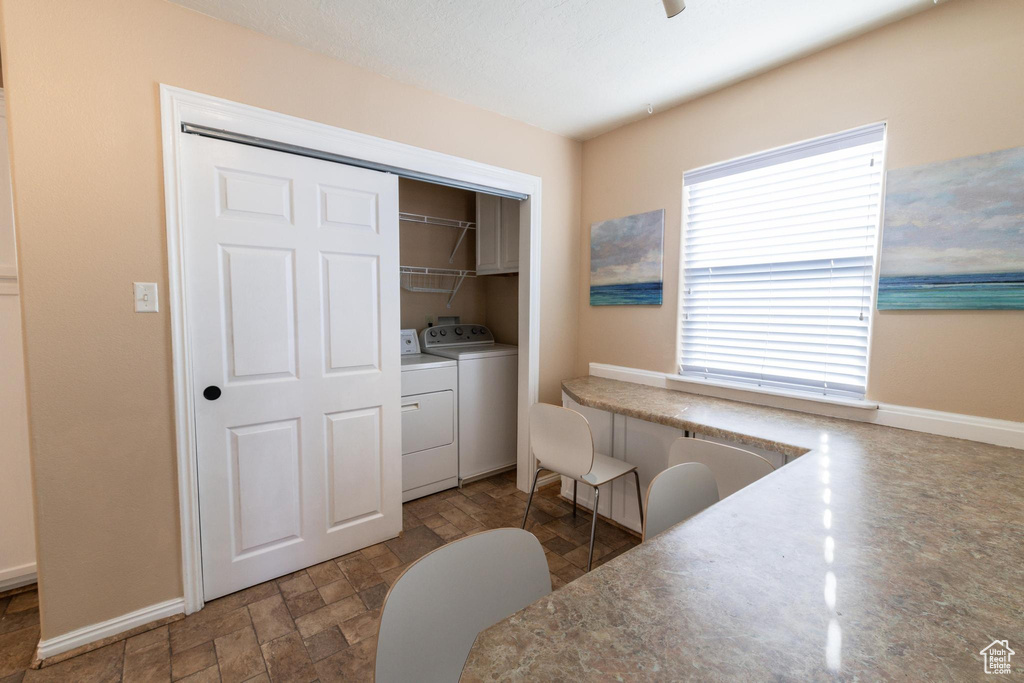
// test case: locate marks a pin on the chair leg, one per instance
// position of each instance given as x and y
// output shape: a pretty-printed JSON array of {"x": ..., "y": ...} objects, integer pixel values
[
  {"x": 574, "y": 482},
  {"x": 639, "y": 500},
  {"x": 530, "y": 499},
  {"x": 593, "y": 528}
]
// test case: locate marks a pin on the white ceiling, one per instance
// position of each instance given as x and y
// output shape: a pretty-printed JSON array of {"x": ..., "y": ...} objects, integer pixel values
[{"x": 575, "y": 67}]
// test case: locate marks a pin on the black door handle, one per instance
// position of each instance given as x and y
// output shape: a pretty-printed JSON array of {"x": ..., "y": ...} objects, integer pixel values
[{"x": 211, "y": 393}]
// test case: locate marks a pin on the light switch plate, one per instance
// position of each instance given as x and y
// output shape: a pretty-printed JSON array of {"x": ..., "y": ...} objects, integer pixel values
[{"x": 145, "y": 298}]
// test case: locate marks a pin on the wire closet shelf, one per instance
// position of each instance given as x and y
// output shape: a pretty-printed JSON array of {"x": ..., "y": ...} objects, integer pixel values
[{"x": 434, "y": 280}]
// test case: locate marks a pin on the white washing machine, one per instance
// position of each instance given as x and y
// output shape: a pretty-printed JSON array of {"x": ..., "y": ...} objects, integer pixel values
[
  {"x": 430, "y": 421},
  {"x": 487, "y": 397}
]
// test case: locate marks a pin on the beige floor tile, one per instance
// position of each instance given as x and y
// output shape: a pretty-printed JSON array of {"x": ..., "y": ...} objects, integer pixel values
[
  {"x": 325, "y": 643},
  {"x": 157, "y": 636},
  {"x": 386, "y": 560},
  {"x": 23, "y": 601},
  {"x": 448, "y": 532},
  {"x": 359, "y": 572},
  {"x": 103, "y": 664},
  {"x": 150, "y": 664},
  {"x": 296, "y": 586},
  {"x": 210, "y": 675},
  {"x": 414, "y": 544},
  {"x": 238, "y": 655},
  {"x": 198, "y": 628},
  {"x": 330, "y": 615},
  {"x": 287, "y": 660},
  {"x": 354, "y": 663},
  {"x": 17, "y": 649},
  {"x": 465, "y": 504},
  {"x": 304, "y": 603},
  {"x": 555, "y": 561},
  {"x": 270, "y": 618},
  {"x": 461, "y": 520},
  {"x": 193, "y": 660},
  {"x": 324, "y": 573},
  {"x": 578, "y": 556},
  {"x": 361, "y": 627},
  {"x": 16, "y": 621},
  {"x": 391, "y": 575},
  {"x": 337, "y": 590},
  {"x": 373, "y": 551},
  {"x": 373, "y": 597},
  {"x": 434, "y": 521}
]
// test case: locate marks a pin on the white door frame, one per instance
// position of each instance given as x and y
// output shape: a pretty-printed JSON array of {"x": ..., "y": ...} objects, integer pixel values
[{"x": 178, "y": 106}]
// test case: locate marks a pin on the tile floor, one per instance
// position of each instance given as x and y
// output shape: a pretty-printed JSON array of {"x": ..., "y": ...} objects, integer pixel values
[{"x": 319, "y": 623}]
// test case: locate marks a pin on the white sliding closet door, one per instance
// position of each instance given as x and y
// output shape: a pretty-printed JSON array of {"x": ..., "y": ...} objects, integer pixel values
[{"x": 292, "y": 306}]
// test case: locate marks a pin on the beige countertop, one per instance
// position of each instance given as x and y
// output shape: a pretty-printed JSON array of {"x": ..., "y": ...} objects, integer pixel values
[{"x": 879, "y": 554}]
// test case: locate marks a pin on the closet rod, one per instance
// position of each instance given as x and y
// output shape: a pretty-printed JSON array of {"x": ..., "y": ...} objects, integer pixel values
[{"x": 288, "y": 148}]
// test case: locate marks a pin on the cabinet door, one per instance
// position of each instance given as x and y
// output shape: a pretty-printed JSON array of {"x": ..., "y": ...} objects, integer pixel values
[
  {"x": 488, "y": 227},
  {"x": 646, "y": 445},
  {"x": 509, "y": 237}
]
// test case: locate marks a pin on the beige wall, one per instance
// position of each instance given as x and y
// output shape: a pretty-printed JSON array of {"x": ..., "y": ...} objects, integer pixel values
[
  {"x": 949, "y": 83},
  {"x": 82, "y": 85}
]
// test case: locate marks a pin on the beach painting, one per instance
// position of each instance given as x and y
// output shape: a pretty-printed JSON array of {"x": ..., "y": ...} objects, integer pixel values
[
  {"x": 953, "y": 235},
  {"x": 626, "y": 256}
]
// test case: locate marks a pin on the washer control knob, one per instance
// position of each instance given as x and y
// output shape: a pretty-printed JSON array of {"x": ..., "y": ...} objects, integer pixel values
[
  {"x": 433, "y": 333},
  {"x": 458, "y": 331},
  {"x": 443, "y": 333}
]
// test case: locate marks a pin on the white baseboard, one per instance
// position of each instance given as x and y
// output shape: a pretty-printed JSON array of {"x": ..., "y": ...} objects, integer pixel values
[
  {"x": 971, "y": 427},
  {"x": 16, "y": 577},
  {"x": 111, "y": 627}
]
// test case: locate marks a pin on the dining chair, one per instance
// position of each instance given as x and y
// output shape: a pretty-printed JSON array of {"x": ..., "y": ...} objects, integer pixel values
[
  {"x": 561, "y": 442},
  {"x": 434, "y": 611},
  {"x": 732, "y": 467},
  {"x": 676, "y": 494}
]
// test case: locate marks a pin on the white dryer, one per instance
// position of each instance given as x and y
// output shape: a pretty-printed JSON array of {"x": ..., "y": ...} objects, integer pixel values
[
  {"x": 487, "y": 397},
  {"x": 430, "y": 448}
]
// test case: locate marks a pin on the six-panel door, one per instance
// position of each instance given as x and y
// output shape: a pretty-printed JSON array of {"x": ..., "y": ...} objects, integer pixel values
[{"x": 292, "y": 309}]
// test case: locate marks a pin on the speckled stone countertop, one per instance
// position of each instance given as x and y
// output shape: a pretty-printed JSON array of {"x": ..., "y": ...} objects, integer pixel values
[{"x": 880, "y": 554}]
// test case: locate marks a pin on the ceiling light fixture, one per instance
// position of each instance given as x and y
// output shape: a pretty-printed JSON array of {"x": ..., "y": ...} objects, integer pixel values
[{"x": 673, "y": 7}]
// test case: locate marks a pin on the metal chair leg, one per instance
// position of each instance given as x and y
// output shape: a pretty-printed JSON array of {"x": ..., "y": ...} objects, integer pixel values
[
  {"x": 574, "y": 482},
  {"x": 593, "y": 528},
  {"x": 639, "y": 500},
  {"x": 530, "y": 499}
]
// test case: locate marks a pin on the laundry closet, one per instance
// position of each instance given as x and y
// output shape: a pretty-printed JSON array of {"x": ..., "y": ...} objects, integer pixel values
[{"x": 459, "y": 256}]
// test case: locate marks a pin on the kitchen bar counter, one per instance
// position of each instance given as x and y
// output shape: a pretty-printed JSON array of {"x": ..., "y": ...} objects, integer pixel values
[{"x": 879, "y": 553}]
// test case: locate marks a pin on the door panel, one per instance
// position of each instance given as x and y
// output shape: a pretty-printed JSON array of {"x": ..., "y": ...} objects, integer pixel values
[
  {"x": 353, "y": 341},
  {"x": 292, "y": 311},
  {"x": 252, "y": 196},
  {"x": 265, "y": 459},
  {"x": 259, "y": 305},
  {"x": 353, "y": 462}
]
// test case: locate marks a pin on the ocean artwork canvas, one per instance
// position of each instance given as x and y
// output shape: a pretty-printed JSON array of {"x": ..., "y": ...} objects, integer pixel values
[
  {"x": 626, "y": 256},
  {"x": 953, "y": 235}
]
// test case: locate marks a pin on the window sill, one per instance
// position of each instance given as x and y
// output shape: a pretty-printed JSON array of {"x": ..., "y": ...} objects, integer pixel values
[{"x": 694, "y": 385}]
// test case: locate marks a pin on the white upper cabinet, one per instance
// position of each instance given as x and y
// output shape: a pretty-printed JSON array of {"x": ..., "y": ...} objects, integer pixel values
[{"x": 497, "y": 235}]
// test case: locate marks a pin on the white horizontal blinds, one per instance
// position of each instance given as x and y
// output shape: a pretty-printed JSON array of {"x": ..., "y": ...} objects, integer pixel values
[{"x": 778, "y": 265}]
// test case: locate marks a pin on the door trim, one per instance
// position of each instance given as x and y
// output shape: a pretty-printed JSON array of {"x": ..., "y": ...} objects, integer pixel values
[{"x": 177, "y": 106}]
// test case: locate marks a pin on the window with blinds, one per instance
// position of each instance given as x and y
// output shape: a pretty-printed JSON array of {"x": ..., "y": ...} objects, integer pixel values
[{"x": 778, "y": 263}]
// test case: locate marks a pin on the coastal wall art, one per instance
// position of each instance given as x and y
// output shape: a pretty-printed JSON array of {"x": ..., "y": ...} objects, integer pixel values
[
  {"x": 953, "y": 235},
  {"x": 626, "y": 259}
]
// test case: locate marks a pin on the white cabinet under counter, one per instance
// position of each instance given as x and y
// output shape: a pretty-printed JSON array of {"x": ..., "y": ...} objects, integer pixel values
[{"x": 638, "y": 442}]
